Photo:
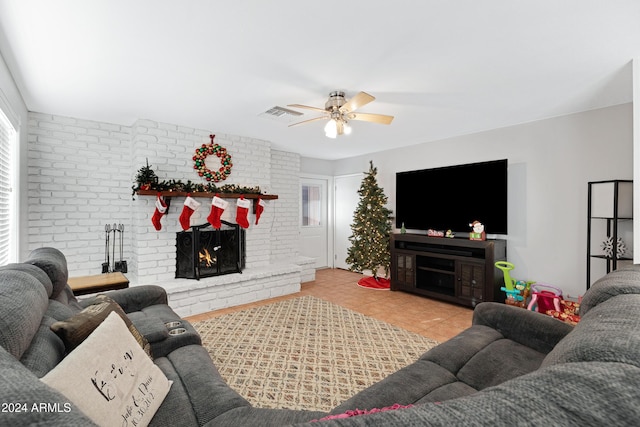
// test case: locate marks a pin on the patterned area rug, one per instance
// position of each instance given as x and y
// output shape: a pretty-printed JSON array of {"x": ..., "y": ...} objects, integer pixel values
[{"x": 306, "y": 353}]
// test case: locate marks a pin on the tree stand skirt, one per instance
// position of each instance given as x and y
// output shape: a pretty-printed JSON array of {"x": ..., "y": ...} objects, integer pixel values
[{"x": 370, "y": 283}]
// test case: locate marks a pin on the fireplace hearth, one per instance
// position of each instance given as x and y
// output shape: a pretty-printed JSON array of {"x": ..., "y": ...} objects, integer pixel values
[{"x": 203, "y": 251}]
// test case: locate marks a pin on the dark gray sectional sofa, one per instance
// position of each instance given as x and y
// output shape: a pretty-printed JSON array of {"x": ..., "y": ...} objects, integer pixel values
[{"x": 511, "y": 367}]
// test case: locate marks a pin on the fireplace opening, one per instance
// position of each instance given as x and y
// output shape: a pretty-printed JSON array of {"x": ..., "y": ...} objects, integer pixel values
[{"x": 203, "y": 251}]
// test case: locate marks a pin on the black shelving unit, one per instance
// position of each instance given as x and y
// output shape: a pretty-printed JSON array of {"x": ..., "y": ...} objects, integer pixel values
[{"x": 609, "y": 202}]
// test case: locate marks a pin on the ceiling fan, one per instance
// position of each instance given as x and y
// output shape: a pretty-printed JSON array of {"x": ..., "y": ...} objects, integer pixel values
[{"x": 339, "y": 111}]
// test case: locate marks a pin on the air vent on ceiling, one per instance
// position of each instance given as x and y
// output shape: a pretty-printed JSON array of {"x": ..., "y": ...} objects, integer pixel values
[{"x": 281, "y": 114}]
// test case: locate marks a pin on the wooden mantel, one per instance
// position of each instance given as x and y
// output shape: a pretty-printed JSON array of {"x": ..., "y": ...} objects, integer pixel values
[
  {"x": 206, "y": 194},
  {"x": 169, "y": 194}
]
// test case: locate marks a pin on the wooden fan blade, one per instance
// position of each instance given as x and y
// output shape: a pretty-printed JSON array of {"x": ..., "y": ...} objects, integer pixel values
[
  {"x": 356, "y": 102},
  {"x": 307, "y": 107},
  {"x": 375, "y": 118},
  {"x": 315, "y": 119}
]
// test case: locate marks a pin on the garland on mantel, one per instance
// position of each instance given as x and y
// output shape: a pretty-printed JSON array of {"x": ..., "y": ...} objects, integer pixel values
[{"x": 146, "y": 179}]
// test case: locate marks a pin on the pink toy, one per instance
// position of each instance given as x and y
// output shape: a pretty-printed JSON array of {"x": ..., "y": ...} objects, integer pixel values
[{"x": 545, "y": 297}]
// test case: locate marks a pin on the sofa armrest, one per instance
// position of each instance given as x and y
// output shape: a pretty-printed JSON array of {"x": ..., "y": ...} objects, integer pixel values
[
  {"x": 529, "y": 328},
  {"x": 136, "y": 298}
]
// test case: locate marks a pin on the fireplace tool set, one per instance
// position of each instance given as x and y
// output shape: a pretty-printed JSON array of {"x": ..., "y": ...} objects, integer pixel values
[{"x": 110, "y": 264}]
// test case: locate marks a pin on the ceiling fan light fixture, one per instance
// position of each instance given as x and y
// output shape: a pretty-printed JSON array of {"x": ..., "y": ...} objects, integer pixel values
[
  {"x": 339, "y": 111},
  {"x": 331, "y": 129}
]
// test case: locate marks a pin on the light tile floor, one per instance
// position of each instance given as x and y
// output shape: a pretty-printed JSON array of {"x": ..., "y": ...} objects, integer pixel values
[{"x": 433, "y": 319}]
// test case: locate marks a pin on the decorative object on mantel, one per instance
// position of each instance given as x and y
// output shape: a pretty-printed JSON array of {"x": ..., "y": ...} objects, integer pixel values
[
  {"x": 259, "y": 209},
  {"x": 178, "y": 188},
  {"x": 146, "y": 177},
  {"x": 608, "y": 245},
  {"x": 190, "y": 206},
  {"x": 478, "y": 232},
  {"x": 218, "y": 206},
  {"x": 225, "y": 161},
  {"x": 242, "y": 211},
  {"x": 158, "y": 213}
]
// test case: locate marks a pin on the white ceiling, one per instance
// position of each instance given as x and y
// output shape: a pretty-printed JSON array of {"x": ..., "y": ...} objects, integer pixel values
[{"x": 442, "y": 68}]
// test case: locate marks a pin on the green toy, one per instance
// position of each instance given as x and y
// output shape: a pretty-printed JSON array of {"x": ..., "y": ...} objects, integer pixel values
[
  {"x": 517, "y": 290},
  {"x": 506, "y": 267}
]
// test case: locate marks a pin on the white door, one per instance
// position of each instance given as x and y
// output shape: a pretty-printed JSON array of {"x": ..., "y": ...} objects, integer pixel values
[
  {"x": 314, "y": 224},
  {"x": 346, "y": 202}
]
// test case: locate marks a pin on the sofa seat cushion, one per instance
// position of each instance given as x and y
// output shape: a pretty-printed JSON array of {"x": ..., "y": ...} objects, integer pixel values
[
  {"x": 405, "y": 386},
  {"x": 475, "y": 359},
  {"x": 482, "y": 357},
  {"x": 202, "y": 393},
  {"x": 459, "y": 350},
  {"x": 498, "y": 362}
]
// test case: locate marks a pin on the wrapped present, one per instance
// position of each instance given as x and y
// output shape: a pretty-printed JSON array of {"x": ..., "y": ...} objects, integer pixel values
[{"x": 569, "y": 312}]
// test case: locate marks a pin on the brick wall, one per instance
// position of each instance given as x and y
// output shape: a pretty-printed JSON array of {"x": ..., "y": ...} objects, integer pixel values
[
  {"x": 170, "y": 149},
  {"x": 80, "y": 178},
  {"x": 285, "y": 181}
]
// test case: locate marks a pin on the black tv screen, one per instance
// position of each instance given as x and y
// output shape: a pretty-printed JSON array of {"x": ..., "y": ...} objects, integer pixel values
[{"x": 450, "y": 198}]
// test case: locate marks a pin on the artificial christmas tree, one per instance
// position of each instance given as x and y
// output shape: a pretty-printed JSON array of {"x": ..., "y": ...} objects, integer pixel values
[{"x": 371, "y": 230}]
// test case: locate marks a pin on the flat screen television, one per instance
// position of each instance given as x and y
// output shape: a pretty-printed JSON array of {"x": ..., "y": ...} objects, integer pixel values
[{"x": 451, "y": 197}]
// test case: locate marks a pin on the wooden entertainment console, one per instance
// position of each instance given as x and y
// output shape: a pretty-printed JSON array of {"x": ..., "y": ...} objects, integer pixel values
[{"x": 455, "y": 270}]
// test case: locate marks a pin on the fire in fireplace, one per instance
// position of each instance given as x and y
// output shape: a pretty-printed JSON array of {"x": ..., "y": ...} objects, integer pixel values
[{"x": 203, "y": 251}]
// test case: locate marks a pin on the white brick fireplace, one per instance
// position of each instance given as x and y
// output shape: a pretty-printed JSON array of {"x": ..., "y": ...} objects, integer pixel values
[{"x": 80, "y": 178}]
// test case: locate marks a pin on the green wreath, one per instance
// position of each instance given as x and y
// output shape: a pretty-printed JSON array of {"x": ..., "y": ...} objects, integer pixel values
[{"x": 225, "y": 161}]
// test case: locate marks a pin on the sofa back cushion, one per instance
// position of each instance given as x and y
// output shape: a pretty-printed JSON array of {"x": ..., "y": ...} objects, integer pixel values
[
  {"x": 54, "y": 264},
  {"x": 623, "y": 281},
  {"x": 608, "y": 332},
  {"x": 23, "y": 303},
  {"x": 26, "y": 314},
  {"x": 45, "y": 351}
]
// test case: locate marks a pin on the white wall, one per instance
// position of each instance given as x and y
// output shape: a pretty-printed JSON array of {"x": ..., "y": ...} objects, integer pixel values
[{"x": 550, "y": 163}]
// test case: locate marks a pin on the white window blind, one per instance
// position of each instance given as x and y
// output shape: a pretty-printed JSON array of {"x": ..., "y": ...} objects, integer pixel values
[{"x": 7, "y": 140}]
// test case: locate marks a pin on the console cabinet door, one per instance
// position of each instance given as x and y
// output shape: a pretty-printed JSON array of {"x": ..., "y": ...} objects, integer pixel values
[
  {"x": 405, "y": 270},
  {"x": 470, "y": 281}
]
